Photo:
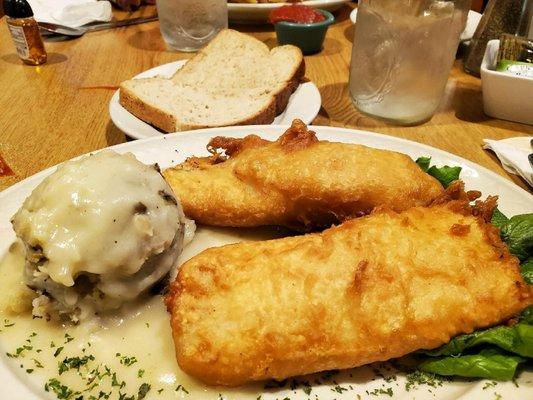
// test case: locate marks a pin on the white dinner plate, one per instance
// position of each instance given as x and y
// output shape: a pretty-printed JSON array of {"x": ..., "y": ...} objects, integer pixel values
[
  {"x": 472, "y": 21},
  {"x": 304, "y": 104},
  {"x": 248, "y": 13},
  {"x": 170, "y": 149}
]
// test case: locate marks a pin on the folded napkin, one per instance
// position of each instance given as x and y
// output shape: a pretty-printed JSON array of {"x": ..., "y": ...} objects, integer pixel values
[
  {"x": 513, "y": 154},
  {"x": 71, "y": 13}
]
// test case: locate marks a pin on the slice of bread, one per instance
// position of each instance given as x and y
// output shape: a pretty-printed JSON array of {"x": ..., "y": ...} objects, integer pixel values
[{"x": 234, "y": 80}]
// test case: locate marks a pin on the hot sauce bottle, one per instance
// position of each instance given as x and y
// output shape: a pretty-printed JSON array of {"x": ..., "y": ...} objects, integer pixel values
[{"x": 25, "y": 32}]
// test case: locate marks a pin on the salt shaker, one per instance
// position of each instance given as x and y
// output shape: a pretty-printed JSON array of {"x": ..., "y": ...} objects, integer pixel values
[{"x": 25, "y": 32}]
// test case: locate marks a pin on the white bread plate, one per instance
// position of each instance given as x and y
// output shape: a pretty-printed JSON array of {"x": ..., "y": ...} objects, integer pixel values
[{"x": 304, "y": 104}]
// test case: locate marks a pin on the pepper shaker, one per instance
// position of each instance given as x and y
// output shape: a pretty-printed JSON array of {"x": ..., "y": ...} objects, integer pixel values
[
  {"x": 500, "y": 16},
  {"x": 25, "y": 32}
]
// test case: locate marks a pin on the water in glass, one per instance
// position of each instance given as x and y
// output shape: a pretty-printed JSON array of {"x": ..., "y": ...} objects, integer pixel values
[
  {"x": 402, "y": 55},
  {"x": 188, "y": 25}
]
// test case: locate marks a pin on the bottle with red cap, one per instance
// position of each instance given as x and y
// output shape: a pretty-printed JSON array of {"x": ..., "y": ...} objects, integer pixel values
[{"x": 25, "y": 32}]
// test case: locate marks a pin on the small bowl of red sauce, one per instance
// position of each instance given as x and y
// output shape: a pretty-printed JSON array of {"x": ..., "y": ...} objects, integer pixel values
[{"x": 302, "y": 26}]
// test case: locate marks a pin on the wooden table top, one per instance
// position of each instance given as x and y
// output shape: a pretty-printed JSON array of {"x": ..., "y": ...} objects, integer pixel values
[{"x": 48, "y": 114}]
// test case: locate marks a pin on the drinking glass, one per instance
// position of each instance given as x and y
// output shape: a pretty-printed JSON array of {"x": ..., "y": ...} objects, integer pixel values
[
  {"x": 188, "y": 25},
  {"x": 402, "y": 55}
]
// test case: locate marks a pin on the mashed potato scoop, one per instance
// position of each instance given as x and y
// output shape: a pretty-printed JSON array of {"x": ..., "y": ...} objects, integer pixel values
[{"x": 98, "y": 233}]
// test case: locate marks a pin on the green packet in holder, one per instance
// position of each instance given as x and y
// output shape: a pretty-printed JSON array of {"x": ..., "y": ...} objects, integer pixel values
[
  {"x": 515, "y": 56},
  {"x": 517, "y": 68}
]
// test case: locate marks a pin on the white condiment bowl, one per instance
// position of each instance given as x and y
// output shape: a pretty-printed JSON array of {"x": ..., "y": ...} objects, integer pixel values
[{"x": 505, "y": 96}]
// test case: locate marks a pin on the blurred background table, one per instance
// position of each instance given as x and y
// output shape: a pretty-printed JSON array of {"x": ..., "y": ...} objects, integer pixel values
[{"x": 52, "y": 113}]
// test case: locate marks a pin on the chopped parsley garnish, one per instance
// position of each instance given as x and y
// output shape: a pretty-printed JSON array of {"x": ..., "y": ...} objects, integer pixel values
[
  {"x": 68, "y": 338},
  {"x": 489, "y": 385},
  {"x": 182, "y": 388},
  {"x": 58, "y": 351},
  {"x": 140, "y": 373},
  {"x": 19, "y": 352},
  {"x": 126, "y": 360},
  {"x": 8, "y": 323},
  {"x": 61, "y": 391},
  {"x": 143, "y": 390},
  {"x": 339, "y": 389},
  {"x": 377, "y": 392},
  {"x": 38, "y": 364},
  {"x": 73, "y": 363},
  {"x": 423, "y": 378},
  {"x": 101, "y": 395},
  {"x": 115, "y": 382}
]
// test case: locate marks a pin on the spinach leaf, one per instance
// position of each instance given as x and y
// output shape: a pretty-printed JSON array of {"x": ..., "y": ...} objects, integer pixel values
[
  {"x": 515, "y": 339},
  {"x": 517, "y": 233},
  {"x": 498, "y": 219},
  {"x": 527, "y": 270},
  {"x": 527, "y": 315},
  {"x": 423, "y": 163},
  {"x": 445, "y": 175},
  {"x": 489, "y": 363}
]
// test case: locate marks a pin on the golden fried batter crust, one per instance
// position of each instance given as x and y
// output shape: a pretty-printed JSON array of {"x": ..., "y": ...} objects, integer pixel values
[
  {"x": 296, "y": 181},
  {"x": 371, "y": 289}
]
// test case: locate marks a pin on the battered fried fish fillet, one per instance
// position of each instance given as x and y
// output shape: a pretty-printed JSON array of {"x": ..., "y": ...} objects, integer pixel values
[
  {"x": 296, "y": 181},
  {"x": 371, "y": 289}
]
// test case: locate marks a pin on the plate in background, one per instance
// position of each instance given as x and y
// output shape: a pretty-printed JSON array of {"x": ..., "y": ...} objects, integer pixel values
[{"x": 249, "y": 13}]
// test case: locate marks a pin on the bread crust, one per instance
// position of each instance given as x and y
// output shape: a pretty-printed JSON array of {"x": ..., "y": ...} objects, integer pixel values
[
  {"x": 167, "y": 122},
  {"x": 146, "y": 112}
]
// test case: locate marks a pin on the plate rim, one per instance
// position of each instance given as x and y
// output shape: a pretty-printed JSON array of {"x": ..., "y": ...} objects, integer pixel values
[
  {"x": 317, "y": 128},
  {"x": 268, "y": 6}
]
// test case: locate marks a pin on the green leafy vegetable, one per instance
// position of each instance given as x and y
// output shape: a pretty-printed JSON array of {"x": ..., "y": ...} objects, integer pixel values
[
  {"x": 445, "y": 175},
  {"x": 60, "y": 390},
  {"x": 527, "y": 315},
  {"x": 423, "y": 163},
  {"x": 515, "y": 339},
  {"x": 498, "y": 219},
  {"x": 527, "y": 270},
  {"x": 73, "y": 363},
  {"x": 517, "y": 233},
  {"x": 143, "y": 390},
  {"x": 489, "y": 363}
]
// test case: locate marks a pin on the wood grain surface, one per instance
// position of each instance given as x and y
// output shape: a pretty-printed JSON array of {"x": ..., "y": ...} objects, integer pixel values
[{"x": 49, "y": 114}]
